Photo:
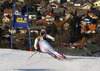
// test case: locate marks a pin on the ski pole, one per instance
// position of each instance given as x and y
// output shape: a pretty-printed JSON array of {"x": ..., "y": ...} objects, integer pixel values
[{"x": 32, "y": 55}]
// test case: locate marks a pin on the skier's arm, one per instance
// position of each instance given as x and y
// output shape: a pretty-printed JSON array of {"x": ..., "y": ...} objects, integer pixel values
[
  {"x": 50, "y": 37},
  {"x": 35, "y": 43}
]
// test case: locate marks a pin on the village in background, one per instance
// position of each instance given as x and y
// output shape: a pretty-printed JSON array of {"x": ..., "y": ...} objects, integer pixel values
[{"x": 75, "y": 24}]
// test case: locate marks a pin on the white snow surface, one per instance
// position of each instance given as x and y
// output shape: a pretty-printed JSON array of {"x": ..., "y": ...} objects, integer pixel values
[{"x": 17, "y": 60}]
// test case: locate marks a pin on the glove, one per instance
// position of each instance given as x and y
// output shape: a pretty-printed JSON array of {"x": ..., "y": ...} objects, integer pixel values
[
  {"x": 35, "y": 49},
  {"x": 53, "y": 39}
]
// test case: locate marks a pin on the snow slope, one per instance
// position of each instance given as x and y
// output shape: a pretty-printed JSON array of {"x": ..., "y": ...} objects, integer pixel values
[{"x": 17, "y": 60}]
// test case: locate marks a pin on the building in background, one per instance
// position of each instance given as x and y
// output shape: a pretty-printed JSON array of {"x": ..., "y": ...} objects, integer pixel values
[{"x": 58, "y": 1}]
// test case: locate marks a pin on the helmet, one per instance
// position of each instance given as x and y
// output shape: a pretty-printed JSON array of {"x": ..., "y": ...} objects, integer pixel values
[{"x": 42, "y": 32}]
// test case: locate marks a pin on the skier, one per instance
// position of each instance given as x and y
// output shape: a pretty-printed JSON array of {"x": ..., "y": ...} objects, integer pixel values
[{"x": 45, "y": 46}]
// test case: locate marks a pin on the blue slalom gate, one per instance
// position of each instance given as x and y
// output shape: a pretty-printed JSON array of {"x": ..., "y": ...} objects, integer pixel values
[{"x": 21, "y": 21}]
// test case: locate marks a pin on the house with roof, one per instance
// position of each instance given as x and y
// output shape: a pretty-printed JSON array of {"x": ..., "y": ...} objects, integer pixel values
[
  {"x": 80, "y": 3},
  {"x": 59, "y": 11},
  {"x": 96, "y": 3},
  {"x": 70, "y": 10},
  {"x": 86, "y": 20},
  {"x": 79, "y": 8},
  {"x": 58, "y": 1},
  {"x": 88, "y": 29},
  {"x": 6, "y": 19},
  {"x": 21, "y": 30},
  {"x": 81, "y": 12},
  {"x": 64, "y": 23},
  {"x": 68, "y": 16},
  {"x": 48, "y": 16},
  {"x": 18, "y": 12},
  {"x": 71, "y": 1},
  {"x": 59, "y": 24},
  {"x": 53, "y": 5},
  {"x": 10, "y": 31},
  {"x": 76, "y": 10},
  {"x": 21, "y": 0},
  {"x": 18, "y": 9},
  {"x": 94, "y": 14},
  {"x": 42, "y": 23},
  {"x": 32, "y": 15},
  {"x": 47, "y": 9},
  {"x": 62, "y": 18},
  {"x": 8, "y": 12},
  {"x": 86, "y": 6}
]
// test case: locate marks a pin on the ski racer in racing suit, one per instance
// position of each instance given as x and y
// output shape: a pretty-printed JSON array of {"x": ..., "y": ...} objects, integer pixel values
[{"x": 45, "y": 46}]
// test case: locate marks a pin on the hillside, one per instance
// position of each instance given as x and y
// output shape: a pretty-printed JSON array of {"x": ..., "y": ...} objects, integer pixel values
[{"x": 16, "y": 60}]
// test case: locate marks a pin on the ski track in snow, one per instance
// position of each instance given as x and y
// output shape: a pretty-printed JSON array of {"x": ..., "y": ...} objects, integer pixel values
[{"x": 17, "y": 60}]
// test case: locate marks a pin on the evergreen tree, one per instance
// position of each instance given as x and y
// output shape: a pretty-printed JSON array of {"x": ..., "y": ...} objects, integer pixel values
[
  {"x": 1, "y": 32},
  {"x": 52, "y": 29},
  {"x": 31, "y": 4},
  {"x": 75, "y": 27},
  {"x": 62, "y": 29}
]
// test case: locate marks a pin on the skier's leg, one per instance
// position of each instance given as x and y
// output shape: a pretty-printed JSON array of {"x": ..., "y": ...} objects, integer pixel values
[
  {"x": 42, "y": 47},
  {"x": 52, "y": 54},
  {"x": 51, "y": 49},
  {"x": 60, "y": 55}
]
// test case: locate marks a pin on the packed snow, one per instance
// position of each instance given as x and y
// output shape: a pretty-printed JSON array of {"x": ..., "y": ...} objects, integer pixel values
[{"x": 17, "y": 60}]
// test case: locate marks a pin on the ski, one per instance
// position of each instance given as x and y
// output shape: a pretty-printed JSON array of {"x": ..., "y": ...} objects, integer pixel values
[{"x": 59, "y": 58}]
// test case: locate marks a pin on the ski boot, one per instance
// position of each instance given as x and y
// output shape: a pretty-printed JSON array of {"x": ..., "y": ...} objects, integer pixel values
[
  {"x": 54, "y": 56},
  {"x": 63, "y": 57}
]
